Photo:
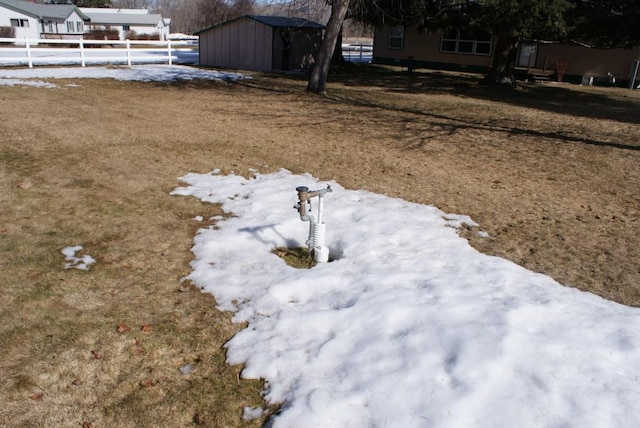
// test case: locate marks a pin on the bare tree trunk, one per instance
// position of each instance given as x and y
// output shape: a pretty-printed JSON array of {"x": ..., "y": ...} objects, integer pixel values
[
  {"x": 318, "y": 78},
  {"x": 504, "y": 62},
  {"x": 338, "y": 57}
]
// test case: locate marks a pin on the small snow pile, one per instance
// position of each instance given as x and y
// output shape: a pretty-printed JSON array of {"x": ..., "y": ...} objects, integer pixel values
[
  {"x": 21, "y": 82},
  {"x": 409, "y": 326},
  {"x": 140, "y": 73},
  {"x": 74, "y": 262},
  {"x": 252, "y": 413}
]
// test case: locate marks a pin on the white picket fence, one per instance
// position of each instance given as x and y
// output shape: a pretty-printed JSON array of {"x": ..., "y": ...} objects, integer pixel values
[{"x": 83, "y": 52}]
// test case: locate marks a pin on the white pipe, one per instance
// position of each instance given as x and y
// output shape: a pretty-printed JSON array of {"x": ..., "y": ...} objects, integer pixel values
[
  {"x": 317, "y": 229},
  {"x": 320, "y": 208},
  {"x": 320, "y": 251}
]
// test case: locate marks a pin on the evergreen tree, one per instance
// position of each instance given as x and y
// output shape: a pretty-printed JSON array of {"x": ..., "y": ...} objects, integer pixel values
[
  {"x": 605, "y": 23},
  {"x": 514, "y": 21}
]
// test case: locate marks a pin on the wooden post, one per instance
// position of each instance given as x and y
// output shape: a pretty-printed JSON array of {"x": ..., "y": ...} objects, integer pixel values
[{"x": 169, "y": 52}]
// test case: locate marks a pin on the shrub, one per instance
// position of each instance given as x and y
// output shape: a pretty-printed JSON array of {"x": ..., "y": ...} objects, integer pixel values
[
  {"x": 7, "y": 32},
  {"x": 102, "y": 35}
]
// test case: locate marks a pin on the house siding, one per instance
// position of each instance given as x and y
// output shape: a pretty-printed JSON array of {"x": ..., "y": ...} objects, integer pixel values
[
  {"x": 583, "y": 61},
  {"x": 422, "y": 50},
  {"x": 30, "y": 32}
]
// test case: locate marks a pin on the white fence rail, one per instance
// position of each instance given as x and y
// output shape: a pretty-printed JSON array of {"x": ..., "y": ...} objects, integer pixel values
[
  {"x": 64, "y": 52},
  {"x": 357, "y": 52}
]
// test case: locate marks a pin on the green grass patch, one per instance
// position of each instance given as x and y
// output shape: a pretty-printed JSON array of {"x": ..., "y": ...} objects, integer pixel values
[{"x": 298, "y": 257}]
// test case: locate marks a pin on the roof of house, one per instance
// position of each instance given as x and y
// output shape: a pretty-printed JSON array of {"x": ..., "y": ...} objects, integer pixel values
[
  {"x": 271, "y": 21},
  {"x": 89, "y": 10},
  {"x": 134, "y": 19},
  {"x": 43, "y": 11}
]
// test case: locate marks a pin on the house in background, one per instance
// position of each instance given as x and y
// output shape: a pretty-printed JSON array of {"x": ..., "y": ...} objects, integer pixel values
[
  {"x": 129, "y": 23},
  {"x": 40, "y": 21},
  {"x": 31, "y": 20},
  {"x": 261, "y": 43},
  {"x": 453, "y": 50},
  {"x": 472, "y": 51}
]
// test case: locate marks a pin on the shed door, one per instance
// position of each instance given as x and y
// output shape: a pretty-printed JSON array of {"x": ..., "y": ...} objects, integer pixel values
[{"x": 282, "y": 40}]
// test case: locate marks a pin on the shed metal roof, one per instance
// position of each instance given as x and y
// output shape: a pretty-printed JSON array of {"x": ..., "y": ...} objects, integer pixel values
[
  {"x": 283, "y": 21},
  {"x": 271, "y": 21},
  {"x": 43, "y": 11}
]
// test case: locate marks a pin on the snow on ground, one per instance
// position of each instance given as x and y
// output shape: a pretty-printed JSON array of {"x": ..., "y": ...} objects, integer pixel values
[
  {"x": 74, "y": 262},
  {"x": 142, "y": 73},
  {"x": 409, "y": 326}
]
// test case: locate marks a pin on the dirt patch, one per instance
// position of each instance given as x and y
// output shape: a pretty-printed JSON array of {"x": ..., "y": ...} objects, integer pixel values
[{"x": 550, "y": 172}]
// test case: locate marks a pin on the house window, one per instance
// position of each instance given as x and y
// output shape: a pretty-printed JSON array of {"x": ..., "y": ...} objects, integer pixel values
[
  {"x": 466, "y": 42},
  {"x": 126, "y": 28},
  {"x": 396, "y": 37},
  {"x": 79, "y": 27},
  {"x": 19, "y": 23},
  {"x": 70, "y": 27}
]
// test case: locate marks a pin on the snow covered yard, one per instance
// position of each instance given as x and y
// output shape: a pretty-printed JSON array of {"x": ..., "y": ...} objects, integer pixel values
[{"x": 409, "y": 326}]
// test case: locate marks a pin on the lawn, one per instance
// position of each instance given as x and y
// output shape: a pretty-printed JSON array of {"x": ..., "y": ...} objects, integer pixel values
[{"x": 549, "y": 171}]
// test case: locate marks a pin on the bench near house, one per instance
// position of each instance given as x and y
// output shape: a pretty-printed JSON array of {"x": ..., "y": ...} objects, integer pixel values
[{"x": 472, "y": 51}]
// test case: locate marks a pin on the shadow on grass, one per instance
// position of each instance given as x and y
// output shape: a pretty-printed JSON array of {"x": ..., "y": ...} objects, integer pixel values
[
  {"x": 598, "y": 103},
  {"x": 610, "y": 104}
]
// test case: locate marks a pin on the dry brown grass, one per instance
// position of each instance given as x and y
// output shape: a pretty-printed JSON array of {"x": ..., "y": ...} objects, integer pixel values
[{"x": 550, "y": 172}]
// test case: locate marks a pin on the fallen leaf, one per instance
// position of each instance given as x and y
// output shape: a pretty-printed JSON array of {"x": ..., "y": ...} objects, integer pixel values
[
  {"x": 96, "y": 354},
  {"x": 123, "y": 328},
  {"x": 147, "y": 327},
  {"x": 147, "y": 383},
  {"x": 24, "y": 185},
  {"x": 38, "y": 396},
  {"x": 77, "y": 381},
  {"x": 87, "y": 425}
]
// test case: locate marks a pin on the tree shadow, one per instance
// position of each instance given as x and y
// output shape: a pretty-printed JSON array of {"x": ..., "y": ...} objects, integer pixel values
[
  {"x": 616, "y": 104},
  {"x": 556, "y": 99}
]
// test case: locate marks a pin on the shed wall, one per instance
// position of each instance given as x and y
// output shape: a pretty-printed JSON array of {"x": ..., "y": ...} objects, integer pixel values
[{"x": 243, "y": 44}]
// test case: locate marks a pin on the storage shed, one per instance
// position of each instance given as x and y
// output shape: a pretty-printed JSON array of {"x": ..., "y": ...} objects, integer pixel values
[{"x": 261, "y": 43}]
